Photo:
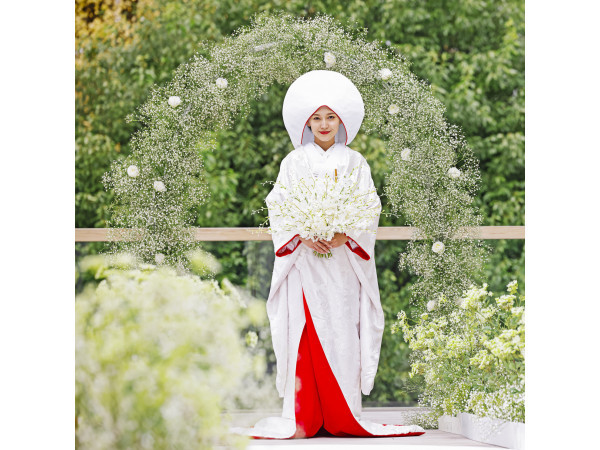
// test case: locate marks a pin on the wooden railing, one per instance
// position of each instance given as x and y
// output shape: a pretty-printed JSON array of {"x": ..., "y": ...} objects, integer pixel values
[{"x": 254, "y": 234}]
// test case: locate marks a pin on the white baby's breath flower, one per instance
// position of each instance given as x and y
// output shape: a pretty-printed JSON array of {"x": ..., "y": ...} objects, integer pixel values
[
  {"x": 159, "y": 186},
  {"x": 159, "y": 258},
  {"x": 438, "y": 247},
  {"x": 385, "y": 74},
  {"x": 261, "y": 47},
  {"x": 174, "y": 101},
  {"x": 133, "y": 171},
  {"x": 431, "y": 304},
  {"x": 329, "y": 59},
  {"x": 453, "y": 172},
  {"x": 221, "y": 83},
  {"x": 405, "y": 154},
  {"x": 394, "y": 109}
]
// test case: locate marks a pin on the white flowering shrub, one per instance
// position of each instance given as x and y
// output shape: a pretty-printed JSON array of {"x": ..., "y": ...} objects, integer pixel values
[
  {"x": 157, "y": 355},
  {"x": 469, "y": 354},
  {"x": 433, "y": 173}
]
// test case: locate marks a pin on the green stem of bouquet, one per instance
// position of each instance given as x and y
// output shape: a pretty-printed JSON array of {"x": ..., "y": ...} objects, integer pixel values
[{"x": 322, "y": 255}]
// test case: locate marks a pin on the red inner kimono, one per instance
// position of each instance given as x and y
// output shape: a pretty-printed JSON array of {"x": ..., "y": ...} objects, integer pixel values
[{"x": 320, "y": 406}]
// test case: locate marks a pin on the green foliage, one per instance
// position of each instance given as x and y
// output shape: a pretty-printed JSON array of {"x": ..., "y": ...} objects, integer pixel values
[
  {"x": 472, "y": 53},
  {"x": 470, "y": 354}
]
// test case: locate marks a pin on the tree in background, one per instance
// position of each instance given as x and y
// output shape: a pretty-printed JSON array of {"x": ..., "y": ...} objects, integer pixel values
[{"x": 472, "y": 53}]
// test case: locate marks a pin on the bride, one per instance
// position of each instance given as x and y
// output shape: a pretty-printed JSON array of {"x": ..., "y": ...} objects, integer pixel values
[{"x": 325, "y": 313}]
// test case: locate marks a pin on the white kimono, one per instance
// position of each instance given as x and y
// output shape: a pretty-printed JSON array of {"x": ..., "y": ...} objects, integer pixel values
[{"x": 341, "y": 292}]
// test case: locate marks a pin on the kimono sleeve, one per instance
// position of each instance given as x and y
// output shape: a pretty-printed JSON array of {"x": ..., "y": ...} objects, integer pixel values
[
  {"x": 363, "y": 243},
  {"x": 285, "y": 242}
]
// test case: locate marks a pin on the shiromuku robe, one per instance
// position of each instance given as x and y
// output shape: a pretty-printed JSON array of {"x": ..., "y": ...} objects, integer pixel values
[
  {"x": 325, "y": 313},
  {"x": 341, "y": 293}
]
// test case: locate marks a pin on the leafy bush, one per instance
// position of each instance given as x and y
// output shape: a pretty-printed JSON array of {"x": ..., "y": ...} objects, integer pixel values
[
  {"x": 469, "y": 355},
  {"x": 157, "y": 354}
]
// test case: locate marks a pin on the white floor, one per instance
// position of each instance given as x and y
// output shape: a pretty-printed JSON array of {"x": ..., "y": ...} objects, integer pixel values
[{"x": 432, "y": 439}]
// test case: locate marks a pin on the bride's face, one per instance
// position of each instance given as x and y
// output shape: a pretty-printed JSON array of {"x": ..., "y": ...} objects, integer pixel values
[{"x": 324, "y": 124}]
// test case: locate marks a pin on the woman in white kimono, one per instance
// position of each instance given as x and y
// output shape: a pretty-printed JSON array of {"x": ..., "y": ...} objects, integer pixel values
[{"x": 325, "y": 313}]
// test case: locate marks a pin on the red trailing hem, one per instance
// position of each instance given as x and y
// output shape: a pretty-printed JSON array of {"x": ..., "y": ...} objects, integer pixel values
[
  {"x": 283, "y": 250},
  {"x": 358, "y": 249},
  {"x": 320, "y": 403}
]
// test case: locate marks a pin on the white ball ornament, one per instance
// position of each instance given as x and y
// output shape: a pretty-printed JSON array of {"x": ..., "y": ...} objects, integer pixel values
[
  {"x": 394, "y": 109},
  {"x": 159, "y": 258},
  {"x": 385, "y": 74},
  {"x": 438, "y": 247},
  {"x": 174, "y": 101},
  {"x": 453, "y": 172},
  {"x": 329, "y": 59},
  {"x": 431, "y": 304},
  {"x": 133, "y": 171},
  {"x": 405, "y": 154},
  {"x": 221, "y": 83},
  {"x": 159, "y": 186}
]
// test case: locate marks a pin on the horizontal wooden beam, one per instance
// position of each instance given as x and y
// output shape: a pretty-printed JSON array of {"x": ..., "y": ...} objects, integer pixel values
[{"x": 255, "y": 234}]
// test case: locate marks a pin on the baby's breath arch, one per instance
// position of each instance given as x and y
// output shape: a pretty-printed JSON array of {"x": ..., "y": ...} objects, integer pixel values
[{"x": 433, "y": 175}]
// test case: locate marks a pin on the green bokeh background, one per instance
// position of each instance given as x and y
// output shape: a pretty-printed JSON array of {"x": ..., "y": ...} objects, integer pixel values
[{"x": 471, "y": 52}]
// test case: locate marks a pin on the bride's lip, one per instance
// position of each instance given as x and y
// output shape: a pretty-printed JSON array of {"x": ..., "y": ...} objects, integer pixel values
[{"x": 324, "y": 132}]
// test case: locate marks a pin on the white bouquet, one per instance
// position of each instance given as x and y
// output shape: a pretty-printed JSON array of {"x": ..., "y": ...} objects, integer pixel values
[{"x": 323, "y": 206}]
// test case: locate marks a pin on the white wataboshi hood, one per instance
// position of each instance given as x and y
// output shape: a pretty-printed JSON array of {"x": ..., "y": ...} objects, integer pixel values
[{"x": 322, "y": 88}]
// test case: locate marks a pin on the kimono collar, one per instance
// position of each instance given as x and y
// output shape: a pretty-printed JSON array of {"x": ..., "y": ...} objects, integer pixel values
[{"x": 315, "y": 149}]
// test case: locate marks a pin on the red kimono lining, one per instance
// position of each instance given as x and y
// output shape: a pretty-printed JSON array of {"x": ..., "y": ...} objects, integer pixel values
[{"x": 320, "y": 406}]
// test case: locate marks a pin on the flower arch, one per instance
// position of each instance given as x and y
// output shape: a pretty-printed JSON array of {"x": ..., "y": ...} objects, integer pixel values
[{"x": 433, "y": 178}]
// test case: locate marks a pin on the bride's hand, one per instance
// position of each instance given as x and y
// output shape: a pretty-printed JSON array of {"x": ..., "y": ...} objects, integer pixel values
[
  {"x": 338, "y": 240},
  {"x": 319, "y": 245}
]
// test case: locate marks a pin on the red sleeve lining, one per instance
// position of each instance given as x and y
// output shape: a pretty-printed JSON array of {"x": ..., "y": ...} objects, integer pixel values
[
  {"x": 357, "y": 248},
  {"x": 285, "y": 250}
]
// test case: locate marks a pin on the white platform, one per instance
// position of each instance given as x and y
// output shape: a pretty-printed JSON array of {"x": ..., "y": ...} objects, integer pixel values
[{"x": 432, "y": 439}]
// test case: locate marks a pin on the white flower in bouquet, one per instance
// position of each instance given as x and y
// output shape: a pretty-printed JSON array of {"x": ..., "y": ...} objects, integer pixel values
[
  {"x": 405, "y": 154},
  {"x": 431, "y": 304},
  {"x": 174, "y": 101},
  {"x": 453, "y": 172},
  {"x": 319, "y": 208},
  {"x": 159, "y": 258},
  {"x": 394, "y": 109},
  {"x": 133, "y": 171},
  {"x": 438, "y": 247},
  {"x": 221, "y": 83},
  {"x": 329, "y": 59},
  {"x": 159, "y": 186}
]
